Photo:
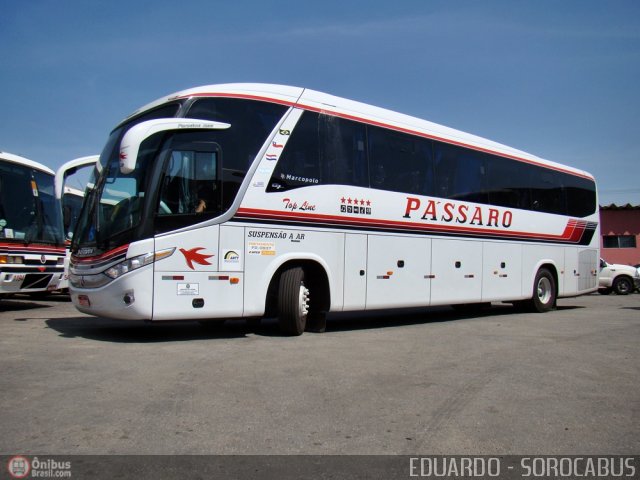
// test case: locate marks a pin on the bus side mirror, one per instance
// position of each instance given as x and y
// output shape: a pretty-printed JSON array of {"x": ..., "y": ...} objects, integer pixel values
[
  {"x": 130, "y": 145},
  {"x": 71, "y": 168}
]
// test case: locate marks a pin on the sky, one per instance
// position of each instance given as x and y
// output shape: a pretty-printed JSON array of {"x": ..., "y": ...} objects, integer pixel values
[{"x": 558, "y": 79}]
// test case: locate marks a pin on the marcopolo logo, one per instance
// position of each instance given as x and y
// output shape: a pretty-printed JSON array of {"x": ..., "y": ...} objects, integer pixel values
[{"x": 21, "y": 467}]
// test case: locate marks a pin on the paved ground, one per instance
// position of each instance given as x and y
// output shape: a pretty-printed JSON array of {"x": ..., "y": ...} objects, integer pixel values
[{"x": 423, "y": 382}]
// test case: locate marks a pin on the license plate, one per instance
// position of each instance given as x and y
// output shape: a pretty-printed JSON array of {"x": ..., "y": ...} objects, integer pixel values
[{"x": 84, "y": 300}]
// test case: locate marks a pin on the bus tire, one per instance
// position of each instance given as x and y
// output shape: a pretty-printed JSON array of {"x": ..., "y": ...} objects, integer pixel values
[
  {"x": 622, "y": 285},
  {"x": 293, "y": 302},
  {"x": 544, "y": 292}
]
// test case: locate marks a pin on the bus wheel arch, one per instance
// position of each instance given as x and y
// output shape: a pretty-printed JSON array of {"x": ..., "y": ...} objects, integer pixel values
[{"x": 299, "y": 295}]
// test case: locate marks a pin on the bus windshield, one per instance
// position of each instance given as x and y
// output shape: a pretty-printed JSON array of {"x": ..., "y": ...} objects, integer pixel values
[
  {"x": 179, "y": 179},
  {"x": 113, "y": 207},
  {"x": 28, "y": 208}
]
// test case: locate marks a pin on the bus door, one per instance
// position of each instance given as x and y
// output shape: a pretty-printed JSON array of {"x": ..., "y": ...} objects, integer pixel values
[
  {"x": 189, "y": 283},
  {"x": 398, "y": 272}
]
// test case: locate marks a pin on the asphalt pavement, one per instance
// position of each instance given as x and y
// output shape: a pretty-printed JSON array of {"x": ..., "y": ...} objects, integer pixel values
[{"x": 428, "y": 381}]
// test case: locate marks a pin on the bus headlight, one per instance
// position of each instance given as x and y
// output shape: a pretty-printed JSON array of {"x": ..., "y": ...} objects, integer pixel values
[
  {"x": 134, "y": 263},
  {"x": 97, "y": 280},
  {"x": 11, "y": 259}
]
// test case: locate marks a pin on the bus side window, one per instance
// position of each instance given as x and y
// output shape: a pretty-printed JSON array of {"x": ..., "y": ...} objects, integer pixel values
[
  {"x": 298, "y": 165},
  {"x": 190, "y": 186},
  {"x": 507, "y": 183},
  {"x": 400, "y": 162},
  {"x": 460, "y": 173},
  {"x": 343, "y": 155},
  {"x": 547, "y": 194}
]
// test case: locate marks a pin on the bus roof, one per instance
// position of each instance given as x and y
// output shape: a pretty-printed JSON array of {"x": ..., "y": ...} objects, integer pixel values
[
  {"x": 342, "y": 107},
  {"x": 10, "y": 157}
]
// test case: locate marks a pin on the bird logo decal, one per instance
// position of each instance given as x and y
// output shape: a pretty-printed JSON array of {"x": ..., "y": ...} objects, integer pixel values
[{"x": 192, "y": 255}]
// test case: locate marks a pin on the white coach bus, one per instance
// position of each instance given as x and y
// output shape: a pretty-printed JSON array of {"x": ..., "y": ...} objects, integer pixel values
[
  {"x": 252, "y": 200},
  {"x": 71, "y": 199},
  {"x": 31, "y": 245}
]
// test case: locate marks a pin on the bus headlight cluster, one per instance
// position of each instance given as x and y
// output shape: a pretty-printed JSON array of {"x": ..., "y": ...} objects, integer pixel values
[
  {"x": 134, "y": 263},
  {"x": 129, "y": 265},
  {"x": 117, "y": 270},
  {"x": 5, "y": 259}
]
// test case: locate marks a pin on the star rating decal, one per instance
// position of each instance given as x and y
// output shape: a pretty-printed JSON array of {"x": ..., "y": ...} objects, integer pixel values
[{"x": 355, "y": 205}]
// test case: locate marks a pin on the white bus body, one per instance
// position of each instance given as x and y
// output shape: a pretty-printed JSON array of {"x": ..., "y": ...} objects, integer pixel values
[
  {"x": 333, "y": 206},
  {"x": 70, "y": 200},
  {"x": 31, "y": 245}
]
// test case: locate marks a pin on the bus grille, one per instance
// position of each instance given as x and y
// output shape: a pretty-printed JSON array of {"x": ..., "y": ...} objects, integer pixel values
[{"x": 36, "y": 280}]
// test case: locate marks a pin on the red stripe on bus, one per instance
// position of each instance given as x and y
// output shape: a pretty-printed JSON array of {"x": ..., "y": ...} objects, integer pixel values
[
  {"x": 33, "y": 249},
  {"x": 104, "y": 256},
  {"x": 572, "y": 232},
  {"x": 243, "y": 96}
]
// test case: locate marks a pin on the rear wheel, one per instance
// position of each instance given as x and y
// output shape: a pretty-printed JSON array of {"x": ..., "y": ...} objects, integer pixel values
[
  {"x": 293, "y": 302},
  {"x": 622, "y": 286},
  {"x": 544, "y": 292}
]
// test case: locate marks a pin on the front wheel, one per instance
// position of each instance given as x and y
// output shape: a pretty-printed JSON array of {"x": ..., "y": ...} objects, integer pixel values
[
  {"x": 544, "y": 292},
  {"x": 293, "y": 302},
  {"x": 622, "y": 286}
]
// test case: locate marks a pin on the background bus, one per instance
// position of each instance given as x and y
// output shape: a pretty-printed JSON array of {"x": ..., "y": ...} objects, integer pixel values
[
  {"x": 249, "y": 200},
  {"x": 31, "y": 244},
  {"x": 72, "y": 180}
]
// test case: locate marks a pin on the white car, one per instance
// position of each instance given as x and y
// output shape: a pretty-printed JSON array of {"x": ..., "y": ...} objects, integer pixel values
[{"x": 622, "y": 279}]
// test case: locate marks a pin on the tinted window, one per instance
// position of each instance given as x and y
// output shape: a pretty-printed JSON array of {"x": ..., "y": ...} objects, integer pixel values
[
  {"x": 330, "y": 150},
  {"x": 299, "y": 164},
  {"x": 251, "y": 121},
  {"x": 322, "y": 150},
  {"x": 547, "y": 194},
  {"x": 17, "y": 203},
  {"x": 508, "y": 183},
  {"x": 343, "y": 151},
  {"x": 400, "y": 162},
  {"x": 460, "y": 173},
  {"x": 581, "y": 196}
]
